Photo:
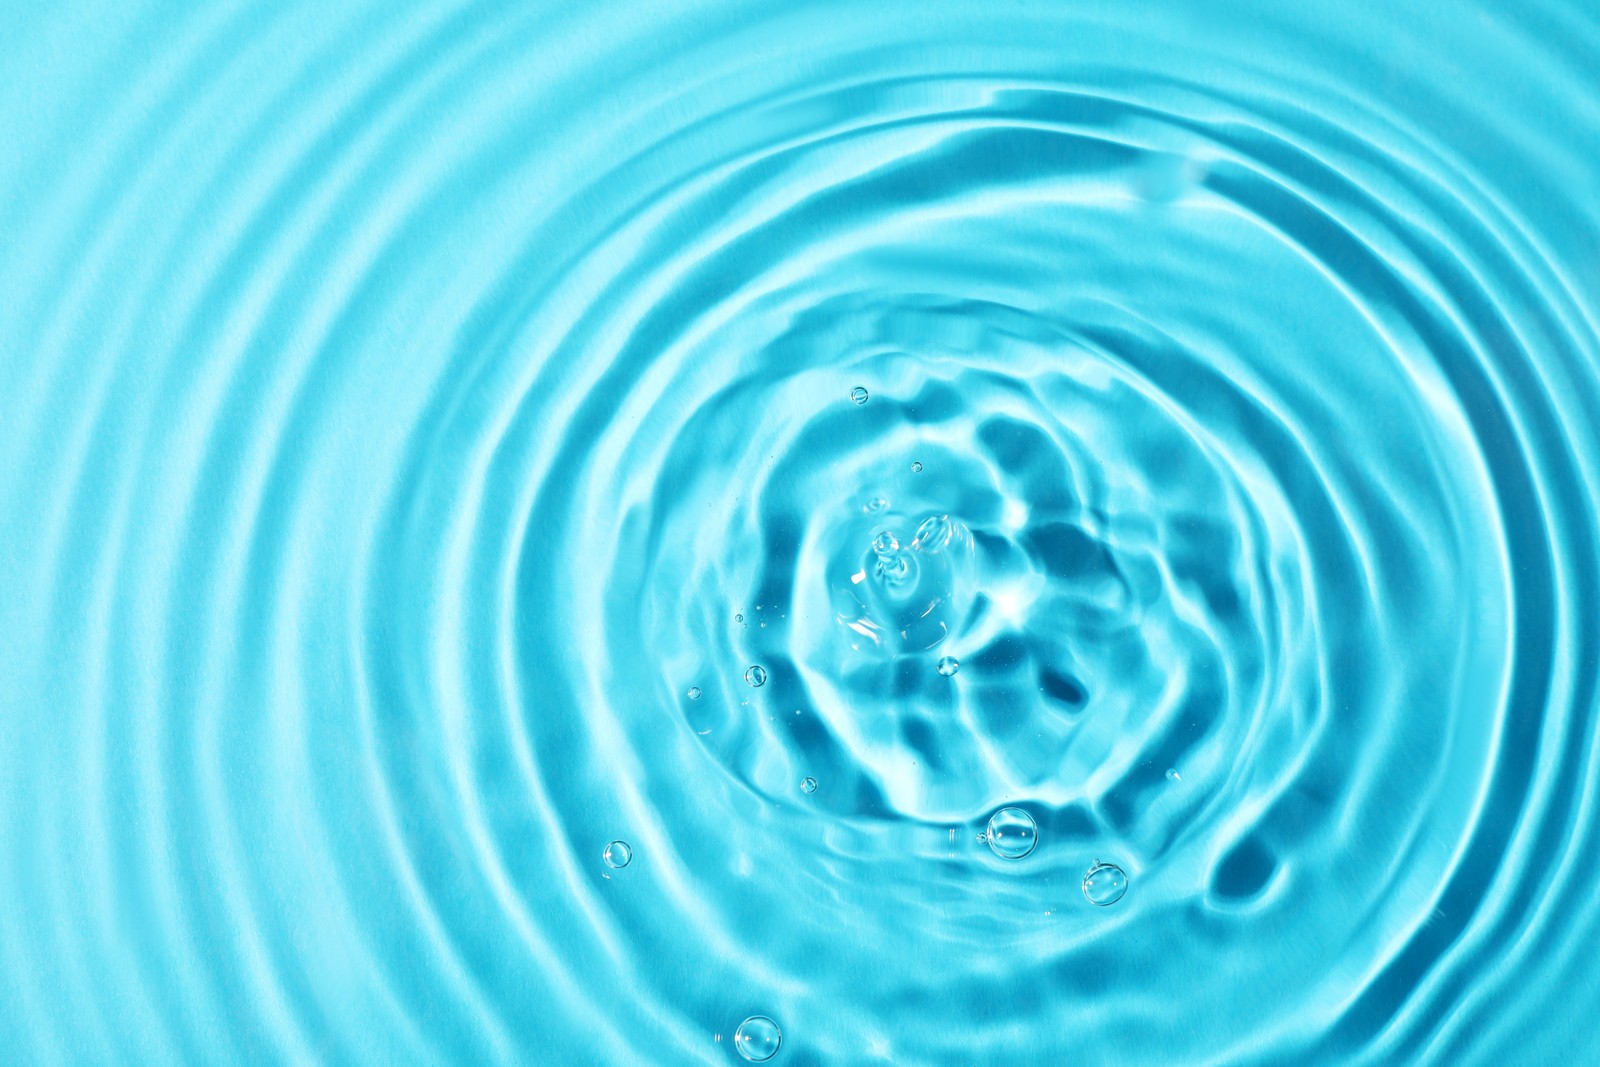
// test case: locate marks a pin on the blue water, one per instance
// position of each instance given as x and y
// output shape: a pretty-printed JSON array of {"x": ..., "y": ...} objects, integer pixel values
[{"x": 917, "y": 533}]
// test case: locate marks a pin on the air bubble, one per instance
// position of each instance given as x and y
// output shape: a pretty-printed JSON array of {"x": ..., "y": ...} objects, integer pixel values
[
  {"x": 859, "y": 395},
  {"x": 617, "y": 855},
  {"x": 1105, "y": 884},
  {"x": 885, "y": 544},
  {"x": 694, "y": 692},
  {"x": 739, "y": 619},
  {"x": 1012, "y": 833},
  {"x": 756, "y": 675},
  {"x": 808, "y": 785},
  {"x": 757, "y": 1039},
  {"x": 948, "y": 665},
  {"x": 916, "y": 467},
  {"x": 1173, "y": 775}
]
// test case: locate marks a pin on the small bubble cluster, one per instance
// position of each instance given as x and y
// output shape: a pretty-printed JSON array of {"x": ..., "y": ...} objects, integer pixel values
[
  {"x": 1012, "y": 833},
  {"x": 617, "y": 855},
  {"x": 757, "y": 1039}
]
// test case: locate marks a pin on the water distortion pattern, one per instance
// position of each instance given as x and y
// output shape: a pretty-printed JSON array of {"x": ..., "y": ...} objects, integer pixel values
[{"x": 818, "y": 533}]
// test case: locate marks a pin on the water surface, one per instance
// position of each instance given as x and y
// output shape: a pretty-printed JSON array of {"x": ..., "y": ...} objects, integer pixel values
[{"x": 938, "y": 533}]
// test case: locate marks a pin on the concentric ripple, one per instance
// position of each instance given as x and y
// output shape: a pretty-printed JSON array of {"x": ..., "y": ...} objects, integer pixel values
[{"x": 680, "y": 534}]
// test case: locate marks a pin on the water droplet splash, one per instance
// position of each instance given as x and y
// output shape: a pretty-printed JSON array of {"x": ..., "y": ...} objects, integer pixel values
[
  {"x": 893, "y": 566},
  {"x": 756, "y": 675},
  {"x": 1012, "y": 833},
  {"x": 934, "y": 534},
  {"x": 617, "y": 855},
  {"x": 757, "y": 1039},
  {"x": 808, "y": 785},
  {"x": 898, "y": 594},
  {"x": 859, "y": 395},
  {"x": 949, "y": 665},
  {"x": 1104, "y": 884}
]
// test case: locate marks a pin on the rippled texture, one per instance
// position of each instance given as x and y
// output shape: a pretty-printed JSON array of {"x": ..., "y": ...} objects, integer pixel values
[{"x": 418, "y": 418}]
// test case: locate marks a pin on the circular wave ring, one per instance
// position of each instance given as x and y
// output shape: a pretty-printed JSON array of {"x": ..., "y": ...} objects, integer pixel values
[{"x": 560, "y": 573}]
